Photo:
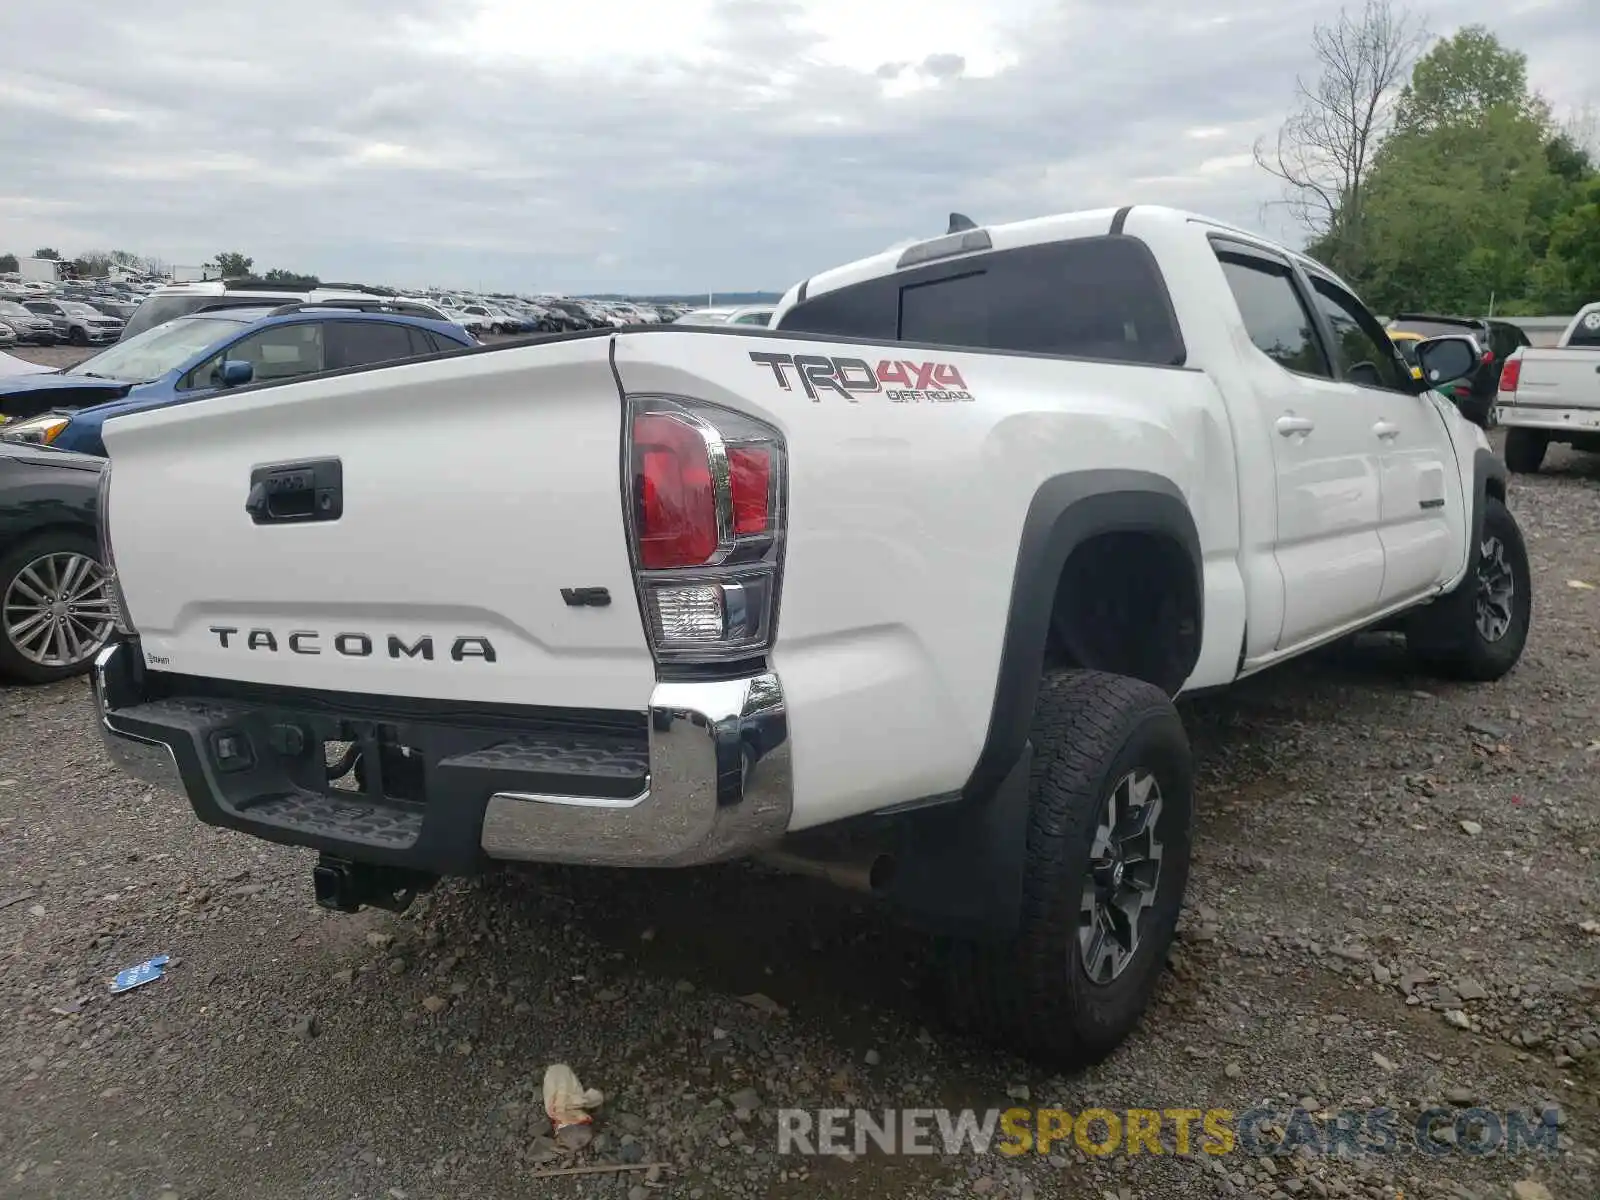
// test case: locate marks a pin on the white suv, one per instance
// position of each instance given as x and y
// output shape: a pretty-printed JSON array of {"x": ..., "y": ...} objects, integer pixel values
[{"x": 181, "y": 299}]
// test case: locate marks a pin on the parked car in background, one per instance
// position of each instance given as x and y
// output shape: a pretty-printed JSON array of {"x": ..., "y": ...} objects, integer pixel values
[
  {"x": 193, "y": 357},
  {"x": 742, "y": 314},
  {"x": 77, "y": 322},
  {"x": 181, "y": 299},
  {"x": 121, "y": 307},
  {"x": 29, "y": 327},
  {"x": 55, "y": 605},
  {"x": 704, "y": 316},
  {"x": 1553, "y": 395},
  {"x": 8, "y": 335},
  {"x": 1496, "y": 339},
  {"x": 751, "y": 314}
]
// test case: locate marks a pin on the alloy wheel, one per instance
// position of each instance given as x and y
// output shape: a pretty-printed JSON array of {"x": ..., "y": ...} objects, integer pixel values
[
  {"x": 1497, "y": 590},
  {"x": 1124, "y": 874},
  {"x": 57, "y": 611}
]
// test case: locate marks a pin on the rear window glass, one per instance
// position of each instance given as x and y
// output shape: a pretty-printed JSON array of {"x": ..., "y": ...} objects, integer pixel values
[{"x": 1099, "y": 297}]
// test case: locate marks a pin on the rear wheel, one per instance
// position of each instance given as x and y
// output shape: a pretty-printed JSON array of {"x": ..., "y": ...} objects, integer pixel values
[
  {"x": 55, "y": 608},
  {"x": 1108, "y": 838},
  {"x": 1525, "y": 450}
]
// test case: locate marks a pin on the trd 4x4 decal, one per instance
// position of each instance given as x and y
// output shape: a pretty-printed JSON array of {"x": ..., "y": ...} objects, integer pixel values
[{"x": 900, "y": 381}]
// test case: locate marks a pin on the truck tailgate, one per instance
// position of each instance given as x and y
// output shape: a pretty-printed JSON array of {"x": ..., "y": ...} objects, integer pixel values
[
  {"x": 1564, "y": 378},
  {"x": 474, "y": 489}
]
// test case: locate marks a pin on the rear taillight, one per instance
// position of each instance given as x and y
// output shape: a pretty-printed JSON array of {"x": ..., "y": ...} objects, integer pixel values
[
  {"x": 705, "y": 509},
  {"x": 1488, "y": 358},
  {"x": 108, "y": 563},
  {"x": 1510, "y": 374}
]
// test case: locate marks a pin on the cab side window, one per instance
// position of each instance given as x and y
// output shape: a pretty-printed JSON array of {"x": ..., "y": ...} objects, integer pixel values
[
  {"x": 1366, "y": 355},
  {"x": 1275, "y": 317}
]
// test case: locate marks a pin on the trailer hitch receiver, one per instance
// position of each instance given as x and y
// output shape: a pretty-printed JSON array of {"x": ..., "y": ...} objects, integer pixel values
[{"x": 346, "y": 886}]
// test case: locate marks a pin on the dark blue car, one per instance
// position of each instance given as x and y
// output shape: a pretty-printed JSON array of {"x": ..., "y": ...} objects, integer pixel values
[{"x": 202, "y": 354}]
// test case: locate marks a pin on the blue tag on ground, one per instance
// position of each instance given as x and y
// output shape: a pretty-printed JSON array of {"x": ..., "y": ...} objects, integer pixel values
[{"x": 136, "y": 976}]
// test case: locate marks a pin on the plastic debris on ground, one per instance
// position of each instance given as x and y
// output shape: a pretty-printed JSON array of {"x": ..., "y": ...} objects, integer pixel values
[
  {"x": 146, "y": 972},
  {"x": 566, "y": 1100}
]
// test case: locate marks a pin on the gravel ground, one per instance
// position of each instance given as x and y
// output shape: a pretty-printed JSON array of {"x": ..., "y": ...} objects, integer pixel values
[
  {"x": 60, "y": 355},
  {"x": 1390, "y": 885}
]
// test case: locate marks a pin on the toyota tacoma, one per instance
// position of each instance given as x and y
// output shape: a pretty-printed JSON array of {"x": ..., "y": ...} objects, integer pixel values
[{"x": 899, "y": 590}]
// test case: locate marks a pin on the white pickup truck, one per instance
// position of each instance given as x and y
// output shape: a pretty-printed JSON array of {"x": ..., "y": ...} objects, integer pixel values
[
  {"x": 899, "y": 591},
  {"x": 1553, "y": 395}
]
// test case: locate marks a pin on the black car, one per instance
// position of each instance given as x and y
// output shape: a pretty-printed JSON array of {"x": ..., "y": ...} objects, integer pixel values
[
  {"x": 55, "y": 600},
  {"x": 1475, "y": 397}
]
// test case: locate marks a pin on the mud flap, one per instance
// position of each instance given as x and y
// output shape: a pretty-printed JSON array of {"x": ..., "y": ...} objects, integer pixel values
[{"x": 959, "y": 866}]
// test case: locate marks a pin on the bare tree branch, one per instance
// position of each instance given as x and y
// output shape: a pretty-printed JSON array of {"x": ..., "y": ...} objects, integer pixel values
[{"x": 1324, "y": 152}]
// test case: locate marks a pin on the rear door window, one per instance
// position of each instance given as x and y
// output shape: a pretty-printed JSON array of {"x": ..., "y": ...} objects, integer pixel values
[
  {"x": 1099, "y": 297},
  {"x": 361, "y": 343},
  {"x": 1274, "y": 315}
]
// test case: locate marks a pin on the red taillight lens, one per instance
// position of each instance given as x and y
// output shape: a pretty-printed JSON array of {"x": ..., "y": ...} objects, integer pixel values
[
  {"x": 707, "y": 502},
  {"x": 1488, "y": 357},
  {"x": 1510, "y": 374},
  {"x": 676, "y": 510},
  {"x": 750, "y": 474}
]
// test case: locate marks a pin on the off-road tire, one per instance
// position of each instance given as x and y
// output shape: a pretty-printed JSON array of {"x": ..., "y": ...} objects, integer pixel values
[
  {"x": 1032, "y": 993},
  {"x": 1525, "y": 450},
  {"x": 1445, "y": 638}
]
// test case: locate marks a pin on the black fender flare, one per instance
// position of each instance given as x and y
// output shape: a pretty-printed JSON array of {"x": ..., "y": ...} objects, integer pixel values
[
  {"x": 1488, "y": 471},
  {"x": 1066, "y": 511}
]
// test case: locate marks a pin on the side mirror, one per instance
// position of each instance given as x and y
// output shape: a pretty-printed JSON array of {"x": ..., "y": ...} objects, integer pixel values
[
  {"x": 235, "y": 371},
  {"x": 1445, "y": 359}
]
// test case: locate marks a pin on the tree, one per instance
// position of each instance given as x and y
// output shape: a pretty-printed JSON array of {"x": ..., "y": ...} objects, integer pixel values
[
  {"x": 1569, "y": 275},
  {"x": 1462, "y": 78},
  {"x": 47, "y": 252},
  {"x": 1459, "y": 214},
  {"x": 93, "y": 263},
  {"x": 279, "y": 275},
  {"x": 8, "y": 262},
  {"x": 232, "y": 264},
  {"x": 1324, "y": 153}
]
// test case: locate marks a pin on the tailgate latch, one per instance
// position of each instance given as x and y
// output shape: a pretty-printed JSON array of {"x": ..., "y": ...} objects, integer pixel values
[{"x": 282, "y": 493}]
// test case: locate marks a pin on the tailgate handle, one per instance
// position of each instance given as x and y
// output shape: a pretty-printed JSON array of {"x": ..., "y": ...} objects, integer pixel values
[{"x": 285, "y": 493}]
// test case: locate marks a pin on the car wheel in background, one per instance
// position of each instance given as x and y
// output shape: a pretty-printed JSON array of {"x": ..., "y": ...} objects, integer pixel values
[
  {"x": 55, "y": 608},
  {"x": 78, "y": 336},
  {"x": 1525, "y": 450}
]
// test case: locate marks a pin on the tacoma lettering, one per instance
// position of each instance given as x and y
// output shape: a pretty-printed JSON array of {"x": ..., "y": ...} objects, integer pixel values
[{"x": 352, "y": 644}]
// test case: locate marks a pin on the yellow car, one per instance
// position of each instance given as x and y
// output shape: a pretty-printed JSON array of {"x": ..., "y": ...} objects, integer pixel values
[{"x": 1406, "y": 342}]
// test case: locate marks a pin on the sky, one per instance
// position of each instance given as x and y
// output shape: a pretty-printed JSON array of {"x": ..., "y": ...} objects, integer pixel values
[{"x": 650, "y": 146}]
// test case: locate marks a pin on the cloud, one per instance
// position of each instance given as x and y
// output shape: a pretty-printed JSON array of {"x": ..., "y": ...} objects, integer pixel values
[{"x": 644, "y": 145}]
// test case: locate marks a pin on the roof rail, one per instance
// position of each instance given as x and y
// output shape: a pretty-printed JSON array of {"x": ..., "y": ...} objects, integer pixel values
[
  {"x": 358, "y": 304},
  {"x": 223, "y": 303}
]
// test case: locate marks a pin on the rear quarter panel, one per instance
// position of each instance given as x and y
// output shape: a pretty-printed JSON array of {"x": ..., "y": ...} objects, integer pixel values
[{"x": 905, "y": 519}]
